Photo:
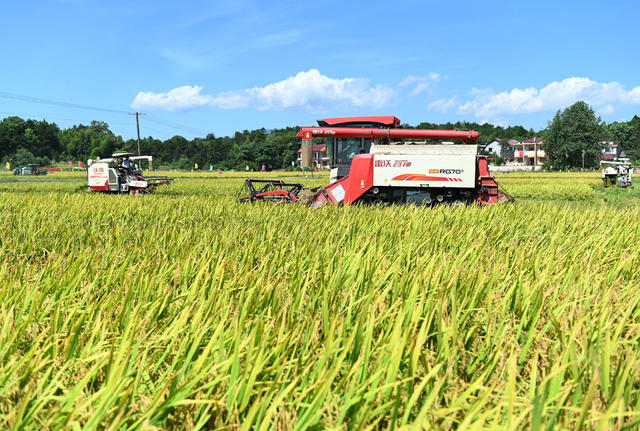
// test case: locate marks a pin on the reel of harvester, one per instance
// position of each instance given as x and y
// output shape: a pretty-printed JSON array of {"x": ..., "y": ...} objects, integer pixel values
[
  {"x": 269, "y": 190},
  {"x": 153, "y": 182}
]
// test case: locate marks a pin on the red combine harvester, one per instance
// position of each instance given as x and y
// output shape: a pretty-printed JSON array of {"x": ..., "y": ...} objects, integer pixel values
[{"x": 374, "y": 161}]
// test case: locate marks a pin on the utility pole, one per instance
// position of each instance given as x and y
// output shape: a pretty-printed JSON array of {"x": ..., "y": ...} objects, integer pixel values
[
  {"x": 137, "y": 114},
  {"x": 583, "y": 160}
]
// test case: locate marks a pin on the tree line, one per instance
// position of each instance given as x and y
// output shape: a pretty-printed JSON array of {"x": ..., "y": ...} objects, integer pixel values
[
  {"x": 31, "y": 141},
  {"x": 571, "y": 132}
]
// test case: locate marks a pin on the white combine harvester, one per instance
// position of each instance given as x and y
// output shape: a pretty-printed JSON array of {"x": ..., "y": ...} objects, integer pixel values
[
  {"x": 118, "y": 174},
  {"x": 618, "y": 172}
]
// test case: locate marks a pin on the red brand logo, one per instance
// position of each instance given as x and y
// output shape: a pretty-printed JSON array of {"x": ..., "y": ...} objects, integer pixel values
[
  {"x": 391, "y": 163},
  {"x": 382, "y": 163},
  {"x": 401, "y": 163}
]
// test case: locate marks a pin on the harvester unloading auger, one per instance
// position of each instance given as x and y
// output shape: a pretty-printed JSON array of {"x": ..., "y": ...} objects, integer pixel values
[{"x": 369, "y": 164}]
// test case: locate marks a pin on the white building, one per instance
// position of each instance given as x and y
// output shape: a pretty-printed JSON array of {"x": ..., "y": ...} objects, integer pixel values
[
  {"x": 494, "y": 147},
  {"x": 529, "y": 152}
]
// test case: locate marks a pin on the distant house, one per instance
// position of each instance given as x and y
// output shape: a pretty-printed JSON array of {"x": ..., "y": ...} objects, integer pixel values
[
  {"x": 529, "y": 152},
  {"x": 321, "y": 159},
  {"x": 611, "y": 150},
  {"x": 512, "y": 144},
  {"x": 494, "y": 147}
]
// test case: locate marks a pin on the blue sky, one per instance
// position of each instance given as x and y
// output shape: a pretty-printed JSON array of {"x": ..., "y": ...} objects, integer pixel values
[{"x": 198, "y": 67}]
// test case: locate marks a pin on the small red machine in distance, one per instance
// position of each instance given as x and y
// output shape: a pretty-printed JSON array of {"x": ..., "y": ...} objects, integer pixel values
[{"x": 374, "y": 161}]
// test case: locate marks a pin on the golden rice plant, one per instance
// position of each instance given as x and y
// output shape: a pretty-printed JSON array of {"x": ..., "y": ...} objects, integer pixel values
[{"x": 187, "y": 310}]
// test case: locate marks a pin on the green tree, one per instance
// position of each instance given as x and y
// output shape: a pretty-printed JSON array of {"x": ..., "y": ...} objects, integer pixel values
[
  {"x": 30, "y": 140},
  {"x": 506, "y": 150},
  {"x": 621, "y": 132},
  {"x": 23, "y": 157},
  {"x": 38, "y": 137},
  {"x": 633, "y": 148},
  {"x": 573, "y": 134},
  {"x": 48, "y": 143},
  {"x": 82, "y": 142},
  {"x": 11, "y": 135}
]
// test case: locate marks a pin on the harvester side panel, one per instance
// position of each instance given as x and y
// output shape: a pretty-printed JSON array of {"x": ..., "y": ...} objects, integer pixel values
[
  {"x": 98, "y": 177},
  {"x": 350, "y": 188},
  {"x": 360, "y": 178},
  {"x": 425, "y": 171},
  {"x": 416, "y": 166},
  {"x": 140, "y": 184}
]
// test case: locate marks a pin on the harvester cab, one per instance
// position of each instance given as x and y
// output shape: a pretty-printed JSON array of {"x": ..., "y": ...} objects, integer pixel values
[
  {"x": 617, "y": 172},
  {"x": 373, "y": 160},
  {"x": 121, "y": 174}
]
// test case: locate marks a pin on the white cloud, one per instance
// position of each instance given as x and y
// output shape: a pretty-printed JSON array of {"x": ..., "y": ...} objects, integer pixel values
[
  {"x": 310, "y": 90},
  {"x": 178, "y": 99},
  {"x": 420, "y": 83},
  {"x": 408, "y": 80},
  {"x": 419, "y": 88},
  {"x": 606, "y": 110},
  {"x": 232, "y": 100},
  {"x": 496, "y": 122},
  {"x": 442, "y": 105},
  {"x": 556, "y": 95}
]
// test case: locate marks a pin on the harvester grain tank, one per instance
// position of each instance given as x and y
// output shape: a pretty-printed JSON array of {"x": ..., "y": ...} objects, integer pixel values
[
  {"x": 375, "y": 161},
  {"x": 119, "y": 174}
]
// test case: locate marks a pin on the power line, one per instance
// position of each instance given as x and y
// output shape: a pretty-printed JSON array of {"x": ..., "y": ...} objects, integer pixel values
[
  {"x": 49, "y": 117},
  {"x": 43, "y": 101},
  {"x": 159, "y": 130},
  {"x": 57, "y": 103},
  {"x": 174, "y": 125}
]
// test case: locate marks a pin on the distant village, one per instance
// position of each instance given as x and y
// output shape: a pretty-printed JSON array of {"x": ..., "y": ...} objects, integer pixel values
[{"x": 529, "y": 153}]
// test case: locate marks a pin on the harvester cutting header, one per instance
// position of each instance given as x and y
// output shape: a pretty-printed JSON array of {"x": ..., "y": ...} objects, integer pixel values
[{"x": 372, "y": 160}]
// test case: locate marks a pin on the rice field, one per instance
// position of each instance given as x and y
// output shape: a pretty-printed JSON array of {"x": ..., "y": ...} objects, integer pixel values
[{"x": 187, "y": 310}]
